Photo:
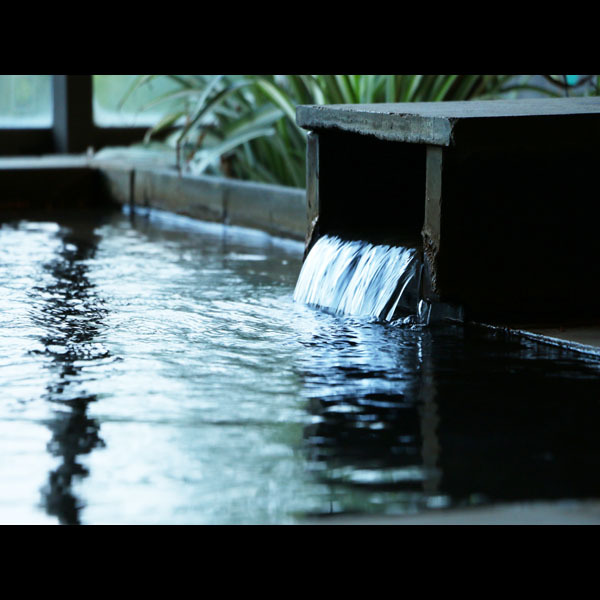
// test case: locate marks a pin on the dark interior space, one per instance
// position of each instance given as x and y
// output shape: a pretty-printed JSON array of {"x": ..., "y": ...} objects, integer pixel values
[
  {"x": 523, "y": 223},
  {"x": 371, "y": 189}
]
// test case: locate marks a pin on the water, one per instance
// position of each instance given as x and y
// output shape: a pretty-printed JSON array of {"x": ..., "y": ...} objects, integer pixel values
[
  {"x": 354, "y": 277},
  {"x": 158, "y": 370}
]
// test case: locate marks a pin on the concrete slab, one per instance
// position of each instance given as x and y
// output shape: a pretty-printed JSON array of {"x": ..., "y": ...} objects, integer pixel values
[
  {"x": 278, "y": 210},
  {"x": 134, "y": 156},
  {"x": 166, "y": 189},
  {"x": 51, "y": 161},
  {"x": 148, "y": 181},
  {"x": 534, "y": 513},
  {"x": 131, "y": 175},
  {"x": 583, "y": 335},
  {"x": 584, "y": 338},
  {"x": 432, "y": 122},
  {"x": 580, "y": 338}
]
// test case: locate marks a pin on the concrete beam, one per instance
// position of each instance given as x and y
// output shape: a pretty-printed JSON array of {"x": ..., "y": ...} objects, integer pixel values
[{"x": 431, "y": 122}]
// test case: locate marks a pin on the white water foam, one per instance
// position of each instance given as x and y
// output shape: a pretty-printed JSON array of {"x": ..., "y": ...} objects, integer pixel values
[{"x": 359, "y": 278}]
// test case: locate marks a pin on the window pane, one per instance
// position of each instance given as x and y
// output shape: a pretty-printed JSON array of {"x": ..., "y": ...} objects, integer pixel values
[
  {"x": 25, "y": 101},
  {"x": 110, "y": 91}
]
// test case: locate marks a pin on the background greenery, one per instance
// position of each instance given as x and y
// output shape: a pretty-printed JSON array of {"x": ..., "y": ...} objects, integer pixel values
[
  {"x": 244, "y": 125},
  {"x": 109, "y": 90}
]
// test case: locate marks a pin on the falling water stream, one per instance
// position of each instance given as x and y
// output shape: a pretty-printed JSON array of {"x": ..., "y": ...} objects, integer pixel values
[
  {"x": 358, "y": 278},
  {"x": 155, "y": 369}
]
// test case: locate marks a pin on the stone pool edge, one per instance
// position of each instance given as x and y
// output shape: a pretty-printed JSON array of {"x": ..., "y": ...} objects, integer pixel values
[
  {"x": 81, "y": 181},
  {"x": 569, "y": 338},
  {"x": 559, "y": 512},
  {"x": 277, "y": 210}
]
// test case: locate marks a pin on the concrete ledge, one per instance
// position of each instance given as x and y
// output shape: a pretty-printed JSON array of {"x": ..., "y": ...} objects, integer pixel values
[
  {"x": 581, "y": 338},
  {"x": 531, "y": 513},
  {"x": 432, "y": 122},
  {"x": 382, "y": 121},
  {"x": 53, "y": 161},
  {"x": 277, "y": 210},
  {"x": 167, "y": 190},
  {"x": 118, "y": 183},
  {"x": 60, "y": 181}
]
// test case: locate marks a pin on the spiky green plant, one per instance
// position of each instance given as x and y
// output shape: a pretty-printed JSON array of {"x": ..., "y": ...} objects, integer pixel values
[{"x": 244, "y": 126}]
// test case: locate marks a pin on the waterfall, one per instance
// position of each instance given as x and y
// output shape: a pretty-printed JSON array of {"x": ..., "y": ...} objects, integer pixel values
[{"x": 358, "y": 278}]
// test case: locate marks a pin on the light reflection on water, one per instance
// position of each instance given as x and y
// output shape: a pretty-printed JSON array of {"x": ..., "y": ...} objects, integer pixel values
[{"x": 158, "y": 371}]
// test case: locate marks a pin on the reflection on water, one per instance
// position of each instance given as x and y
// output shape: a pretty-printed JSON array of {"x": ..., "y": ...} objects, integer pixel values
[
  {"x": 158, "y": 371},
  {"x": 469, "y": 419},
  {"x": 375, "y": 436},
  {"x": 69, "y": 314}
]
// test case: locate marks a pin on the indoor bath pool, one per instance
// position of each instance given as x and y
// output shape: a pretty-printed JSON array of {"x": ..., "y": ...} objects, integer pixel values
[{"x": 157, "y": 370}]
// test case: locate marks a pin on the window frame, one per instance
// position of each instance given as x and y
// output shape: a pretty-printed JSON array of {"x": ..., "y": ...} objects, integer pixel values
[{"x": 73, "y": 130}]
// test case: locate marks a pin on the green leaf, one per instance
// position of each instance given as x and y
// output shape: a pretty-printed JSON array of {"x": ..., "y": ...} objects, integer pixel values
[
  {"x": 346, "y": 89},
  {"x": 261, "y": 117},
  {"x": 280, "y": 99},
  {"x": 443, "y": 85},
  {"x": 137, "y": 83},
  {"x": 165, "y": 122},
  {"x": 172, "y": 95},
  {"x": 390, "y": 89},
  {"x": 203, "y": 158},
  {"x": 312, "y": 84},
  {"x": 219, "y": 97},
  {"x": 413, "y": 85},
  {"x": 331, "y": 89}
]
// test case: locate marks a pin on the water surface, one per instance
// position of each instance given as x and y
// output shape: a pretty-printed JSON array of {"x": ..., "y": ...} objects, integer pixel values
[{"x": 157, "y": 370}]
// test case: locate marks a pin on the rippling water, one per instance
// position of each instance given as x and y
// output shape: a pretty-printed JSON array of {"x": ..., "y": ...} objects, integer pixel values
[{"x": 157, "y": 370}]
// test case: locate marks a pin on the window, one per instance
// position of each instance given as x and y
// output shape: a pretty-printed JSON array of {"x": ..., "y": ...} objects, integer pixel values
[{"x": 25, "y": 101}]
